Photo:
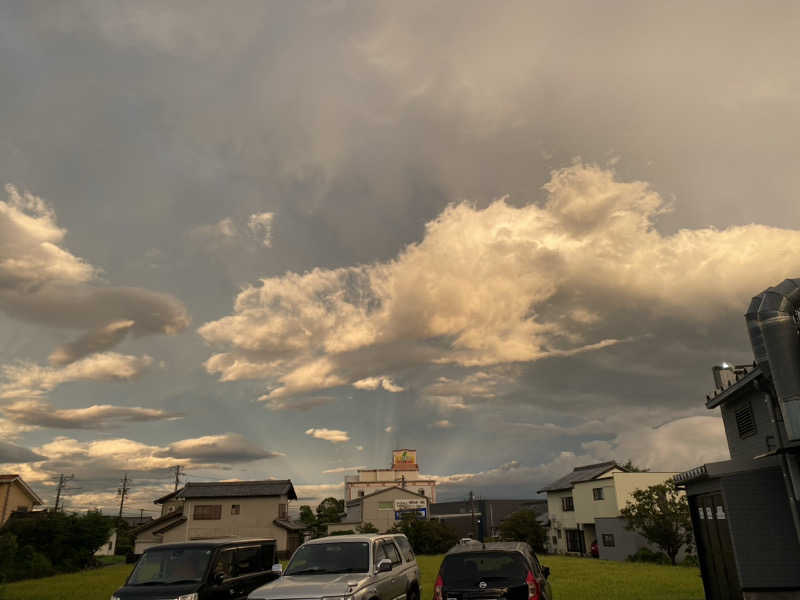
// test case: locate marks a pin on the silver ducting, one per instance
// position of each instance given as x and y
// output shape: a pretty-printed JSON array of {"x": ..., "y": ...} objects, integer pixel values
[{"x": 776, "y": 346}]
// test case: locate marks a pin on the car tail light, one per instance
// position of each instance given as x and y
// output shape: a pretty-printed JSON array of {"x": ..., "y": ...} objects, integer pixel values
[
  {"x": 534, "y": 591},
  {"x": 437, "y": 588}
]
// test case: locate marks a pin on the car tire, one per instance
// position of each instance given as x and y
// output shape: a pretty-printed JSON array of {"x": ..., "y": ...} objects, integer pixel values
[{"x": 412, "y": 594}]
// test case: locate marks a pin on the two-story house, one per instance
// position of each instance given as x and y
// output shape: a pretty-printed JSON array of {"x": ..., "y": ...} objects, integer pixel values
[
  {"x": 224, "y": 510},
  {"x": 15, "y": 496},
  {"x": 584, "y": 506}
]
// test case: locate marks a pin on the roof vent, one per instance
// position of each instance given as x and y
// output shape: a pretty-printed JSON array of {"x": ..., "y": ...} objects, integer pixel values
[{"x": 745, "y": 422}]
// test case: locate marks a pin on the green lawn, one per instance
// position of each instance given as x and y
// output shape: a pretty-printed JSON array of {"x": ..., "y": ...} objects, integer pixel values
[{"x": 571, "y": 578}]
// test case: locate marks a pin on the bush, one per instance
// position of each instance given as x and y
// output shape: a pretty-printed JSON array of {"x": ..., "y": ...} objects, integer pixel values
[
  {"x": 690, "y": 560},
  {"x": 524, "y": 526},
  {"x": 345, "y": 532},
  {"x": 646, "y": 555},
  {"x": 42, "y": 545}
]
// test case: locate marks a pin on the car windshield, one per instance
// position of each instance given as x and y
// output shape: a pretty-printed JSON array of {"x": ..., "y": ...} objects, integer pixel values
[
  {"x": 170, "y": 566},
  {"x": 473, "y": 567},
  {"x": 330, "y": 557}
]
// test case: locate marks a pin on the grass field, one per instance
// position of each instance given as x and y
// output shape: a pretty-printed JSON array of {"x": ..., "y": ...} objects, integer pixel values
[{"x": 571, "y": 578}]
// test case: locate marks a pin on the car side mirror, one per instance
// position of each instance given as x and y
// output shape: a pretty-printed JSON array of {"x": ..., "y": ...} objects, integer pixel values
[
  {"x": 277, "y": 568},
  {"x": 546, "y": 572},
  {"x": 384, "y": 565},
  {"x": 219, "y": 578}
]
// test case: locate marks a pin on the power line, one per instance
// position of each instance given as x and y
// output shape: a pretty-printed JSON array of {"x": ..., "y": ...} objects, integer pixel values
[
  {"x": 178, "y": 473},
  {"x": 62, "y": 486}
]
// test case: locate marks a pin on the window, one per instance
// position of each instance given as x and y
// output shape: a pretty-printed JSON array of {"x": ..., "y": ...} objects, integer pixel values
[
  {"x": 236, "y": 509},
  {"x": 566, "y": 504},
  {"x": 745, "y": 422},
  {"x": 555, "y": 541},
  {"x": 421, "y": 491},
  {"x": 207, "y": 512},
  {"x": 392, "y": 553},
  {"x": 248, "y": 560},
  {"x": 574, "y": 540},
  {"x": 360, "y": 493},
  {"x": 224, "y": 564},
  {"x": 608, "y": 540},
  {"x": 380, "y": 553},
  {"x": 558, "y": 532},
  {"x": 597, "y": 493},
  {"x": 283, "y": 511},
  {"x": 405, "y": 548},
  {"x": 109, "y": 545}
]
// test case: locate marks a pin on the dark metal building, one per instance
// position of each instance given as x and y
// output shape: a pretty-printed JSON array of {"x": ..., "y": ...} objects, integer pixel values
[
  {"x": 745, "y": 510},
  {"x": 488, "y": 515}
]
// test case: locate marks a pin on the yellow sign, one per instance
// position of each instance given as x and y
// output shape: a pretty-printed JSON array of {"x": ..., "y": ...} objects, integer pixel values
[{"x": 404, "y": 459}]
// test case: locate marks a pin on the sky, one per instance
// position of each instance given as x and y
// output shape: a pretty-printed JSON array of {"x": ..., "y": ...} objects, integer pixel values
[{"x": 282, "y": 239}]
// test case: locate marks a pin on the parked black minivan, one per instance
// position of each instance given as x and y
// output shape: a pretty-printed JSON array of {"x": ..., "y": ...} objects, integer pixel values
[
  {"x": 202, "y": 570},
  {"x": 492, "y": 571}
]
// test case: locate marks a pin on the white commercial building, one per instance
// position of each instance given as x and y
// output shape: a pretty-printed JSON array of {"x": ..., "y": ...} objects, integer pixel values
[{"x": 404, "y": 473}]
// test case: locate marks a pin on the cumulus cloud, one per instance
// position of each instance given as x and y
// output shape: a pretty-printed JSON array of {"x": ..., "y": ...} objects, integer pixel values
[
  {"x": 301, "y": 405},
  {"x": 332, "y": 435},
  {"x": 29, "y": 380},
  {"x": 260, "y": 224},
  {"x": 388, "y": 429},
  {"x": 550, "y": 277},
  {"x": 373, "y": 383},
  {"x": 442, "y": 424},
  {"x": 39, "y": 413},
  {"x": 674, "y": 446},
  {"x": 42, "y": 282},
  {"x": 312, "y": 493},
  {"x": 360, "y": 448}
]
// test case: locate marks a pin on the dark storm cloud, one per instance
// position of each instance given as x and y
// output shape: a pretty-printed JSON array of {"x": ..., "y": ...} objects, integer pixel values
[{"x": 11, "y": 453}]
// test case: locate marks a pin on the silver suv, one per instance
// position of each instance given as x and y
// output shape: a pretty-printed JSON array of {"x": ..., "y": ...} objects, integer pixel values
[{"x": 348, "y": 567}]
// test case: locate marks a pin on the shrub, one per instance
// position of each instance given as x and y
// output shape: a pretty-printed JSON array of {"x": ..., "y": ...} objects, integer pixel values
[
  {"x": 646, "y": 555},
  {"x": 690, "y": 560},
  {"x": 345, "y": 532},
  {"x": 426, "y": 537}
]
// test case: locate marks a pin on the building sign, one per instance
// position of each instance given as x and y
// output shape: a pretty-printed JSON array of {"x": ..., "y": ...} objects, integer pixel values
[
  {"x": 421, "y": 513},
  {"x": 404, "y": 460},
  {"x": 410, "y": 504}
]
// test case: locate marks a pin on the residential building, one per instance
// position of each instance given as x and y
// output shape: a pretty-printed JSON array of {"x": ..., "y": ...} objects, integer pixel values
[
  {"x": 109, "y": 547},
  {"x": 481, "y": 518},
  {"x": 15, "y": 496},
  {"x": 584, "y": 506},
  {"x": 383, "y": 508},
  {"x": 222, "y": 510},
  {"x": 744, "y": 511},
  {"x": 404, "y": 473}
]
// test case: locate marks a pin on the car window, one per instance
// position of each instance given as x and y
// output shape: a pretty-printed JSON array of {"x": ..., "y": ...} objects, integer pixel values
[
  {"x": 170, "y": 565},
  {"x": 330, "y": 557},
  {"x": 224, "y": 564},
  {"x": 405, "y": 548},
  {"x": 472, "y": 567},
  {"x": 380, "y": 553},
  {"x": 248, "y": 560},
  {"x": 391, "y": 553}
]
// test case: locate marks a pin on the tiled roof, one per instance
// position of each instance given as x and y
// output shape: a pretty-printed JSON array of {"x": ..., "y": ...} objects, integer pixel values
[
  {"x": 578, "y": 474},
  {"x": 233, "y": 489},
  {"x": 178, "y": 513},
  {"x": 290, "y": 525}
]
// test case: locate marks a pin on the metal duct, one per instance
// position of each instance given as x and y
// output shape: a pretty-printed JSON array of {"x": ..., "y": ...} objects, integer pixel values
[
  {"x": 779, "y": 343},
  {"x": 754, "y": 331}
]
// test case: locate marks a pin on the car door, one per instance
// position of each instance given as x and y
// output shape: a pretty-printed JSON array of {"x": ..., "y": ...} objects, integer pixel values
[
  {"x": 223, "y": 566},
  {"x": 383, "y": 581},
  {"x": 398, "y": 578},
  {"x": 249, "y": 571}
]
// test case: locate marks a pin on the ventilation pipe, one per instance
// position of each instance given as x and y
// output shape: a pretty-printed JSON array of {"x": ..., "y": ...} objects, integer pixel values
[{"x": 774, "y": 336}]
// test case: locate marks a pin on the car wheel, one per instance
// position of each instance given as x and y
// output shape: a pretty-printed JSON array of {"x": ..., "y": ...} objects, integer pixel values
[{"x": 412, "y": 594}]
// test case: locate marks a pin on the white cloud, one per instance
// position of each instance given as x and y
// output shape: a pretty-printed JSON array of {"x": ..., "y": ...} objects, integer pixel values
[
  {"x": 388, "y": 429},
  {"x": 314, "y": 493},
  {"x": 34, "y": 413},
  {"x": 301, "y": 405},
  {"x": 373, "y": 383},
  {"x": 676, "y": 446},
  {"x": 480, "y": 289},
  {"x": 29, "y": 380},
  {"x": 360, "y": 448},
  {"x": 227, "y": 448},
  {"x": 344, "y": 469},
  {"x": 261, "y": 225},
  {"x": 443, "y": 424},
  {"x": 332, "y": 435}
]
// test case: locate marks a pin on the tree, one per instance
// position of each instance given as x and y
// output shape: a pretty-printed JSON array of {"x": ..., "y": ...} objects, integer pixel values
[
  {"x": 426, "y": 537},
  {"x": 661, "y": 515},
  {"x": 307, "y": 515},
  {"x": 367, "y": 528},
  {"x": 632, "y": 468},
  {"x": 330, "y": 510},
  {"x": 524, "y": 526}
]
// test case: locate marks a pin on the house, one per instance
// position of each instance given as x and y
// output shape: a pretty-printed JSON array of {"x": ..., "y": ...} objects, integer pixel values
[
  {"x": 15, "y": 496},
  {"x": 488, "y": 515},
  {"x": 584, "y": 506},
  {"x": 110, "y": 545},
  {"x": 223, "y": 510},
  {"x": 404, "y": 473},
  {"x": 383, "y": 508},
  {"x": 743, "y": 510}
]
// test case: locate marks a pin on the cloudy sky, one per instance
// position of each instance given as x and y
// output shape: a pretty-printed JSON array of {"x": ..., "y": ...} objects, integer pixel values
[{"x": 281, "y": 239}]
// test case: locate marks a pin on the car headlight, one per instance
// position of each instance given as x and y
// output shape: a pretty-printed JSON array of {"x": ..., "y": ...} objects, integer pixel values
[
  {"x": 192, "y": 596},
  {"x": 114, "y": 598}
]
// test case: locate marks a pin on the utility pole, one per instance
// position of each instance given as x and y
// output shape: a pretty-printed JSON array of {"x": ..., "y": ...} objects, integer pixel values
[
  {"x": 122, "y": 492},
  {"x": 472, "y": 510},
  {"x": 178, "y": 473},
  {"x": 62, "y": 483},
  {"x": 141, "y": 515}
]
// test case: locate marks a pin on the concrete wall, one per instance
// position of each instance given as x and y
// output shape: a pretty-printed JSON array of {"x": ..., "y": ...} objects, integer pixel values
[
  {"x": 587, "y": 509},
  {"x": 625, "y": 542},
  {"x": 255, "y": 519},
  {"x": 171, "y": 506},
  {"x": 13, "y": 497},
  {"x": 762, "y": 532},
  {"x": 383, "y": 518},
  {"x": 427, "y": 486},
  {"x": 626, "y": 483}
]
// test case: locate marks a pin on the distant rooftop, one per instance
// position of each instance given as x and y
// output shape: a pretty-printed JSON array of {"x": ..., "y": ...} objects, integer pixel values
[
  {"x": 233, "y": 489},
  {"x": 582, "y": 473}
]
